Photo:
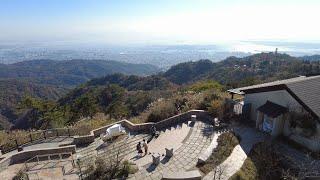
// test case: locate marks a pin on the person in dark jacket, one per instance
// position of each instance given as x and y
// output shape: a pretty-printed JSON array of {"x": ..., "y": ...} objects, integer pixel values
[{"x": 139, "y": 149}]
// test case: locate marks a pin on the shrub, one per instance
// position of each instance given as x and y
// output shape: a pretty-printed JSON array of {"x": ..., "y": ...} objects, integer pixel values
[
  {"x": 113, "y": 169},
  {"x": 8, "y": 139},
  {"x": 304, "y": 121},
  {"x": 21, "y": 175},
  {"x": 163, "y": 110},
  {"x": 216, "y": 108},
  {"x": 205, "y": 85}
]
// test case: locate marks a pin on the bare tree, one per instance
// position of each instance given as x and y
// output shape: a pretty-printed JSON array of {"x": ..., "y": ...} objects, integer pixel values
[
  {"x": 107, "y": 167},
  {"x": 218, "y": 172}
]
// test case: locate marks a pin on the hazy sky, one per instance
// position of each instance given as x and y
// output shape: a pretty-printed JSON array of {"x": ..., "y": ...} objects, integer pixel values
[{"x": 158, "y": 21}]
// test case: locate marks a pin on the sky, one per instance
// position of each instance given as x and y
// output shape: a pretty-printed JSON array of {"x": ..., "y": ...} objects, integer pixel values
[{"x": 158, "y": 21}]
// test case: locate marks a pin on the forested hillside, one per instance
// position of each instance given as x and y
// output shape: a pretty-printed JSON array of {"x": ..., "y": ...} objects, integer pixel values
[
  {"x": 235, "y": 72},
  {"x": 152, "y": 98},
  {"x": 14, "y": 90},
  {"x": 50, "y": 80},
  {"x": 72, "y": 72},
  {"x": 116, "y": 95},
  {"x": 310, "y": 58}
]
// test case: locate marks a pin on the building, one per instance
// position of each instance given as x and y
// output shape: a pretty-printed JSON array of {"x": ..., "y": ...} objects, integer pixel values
[{"x": 270, "y": 104}]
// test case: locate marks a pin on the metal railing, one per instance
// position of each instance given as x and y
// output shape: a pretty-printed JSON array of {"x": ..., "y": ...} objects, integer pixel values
[
  {"x": 35, "y": 136},
  {"x": 34, "y": 161}
]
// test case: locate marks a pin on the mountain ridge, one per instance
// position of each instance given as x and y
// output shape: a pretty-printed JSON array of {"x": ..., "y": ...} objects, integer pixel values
[
  {"x": 51, "y": 79},
  {"x": 71, "y": 72},
  {"x": 111, "y": 92}
]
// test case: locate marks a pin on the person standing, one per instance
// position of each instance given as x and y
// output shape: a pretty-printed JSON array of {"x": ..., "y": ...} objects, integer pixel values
[
  {"x": 145, "y": 146},
  {"x": 139, "y": 149}
]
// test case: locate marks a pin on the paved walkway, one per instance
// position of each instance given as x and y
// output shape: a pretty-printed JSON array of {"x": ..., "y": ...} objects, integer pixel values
[
  {"x": 54, "y": 169},
  {"x": 10, "y": 172},
  {"x": 233, "y": 163},
  {"x": 207, "y": 153},
  {"x": 44, "y": 143},
  {"x": 184, "y": 158},
  {"x": 46, "y": 170}
]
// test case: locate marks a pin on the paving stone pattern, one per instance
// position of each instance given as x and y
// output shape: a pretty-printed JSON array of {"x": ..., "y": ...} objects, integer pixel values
[
  {"x": 106, "y": 150},
  {"x": 184, "y": 158}
]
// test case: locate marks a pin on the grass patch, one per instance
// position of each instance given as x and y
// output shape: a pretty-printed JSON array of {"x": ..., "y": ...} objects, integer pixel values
[
  {"x": 263, "y": 162},
  {"x": 226, "y": 143}
]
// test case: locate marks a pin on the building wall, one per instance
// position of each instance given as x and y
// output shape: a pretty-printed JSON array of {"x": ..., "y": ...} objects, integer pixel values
[
  {"x": 281, "y": 97},
  {"x": 278, "y": 124}
]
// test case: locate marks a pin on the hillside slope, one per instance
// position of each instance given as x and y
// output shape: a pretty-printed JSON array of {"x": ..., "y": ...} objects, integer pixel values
[
  {"x": 72, "y": 72},
  {"x": 243, "y": 71},
  {"x": 50, "y": 80},
  {"x": 117, "y": 95},
  {"x": 13, "y": 91}
]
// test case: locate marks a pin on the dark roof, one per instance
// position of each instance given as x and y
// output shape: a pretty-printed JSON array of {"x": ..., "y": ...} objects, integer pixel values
[
  {"x": 275, "y": 83},
  {"x": 272, "y": 110},
  {"x": 306, "y": 90},
  {"x": 308, "y": 93}
]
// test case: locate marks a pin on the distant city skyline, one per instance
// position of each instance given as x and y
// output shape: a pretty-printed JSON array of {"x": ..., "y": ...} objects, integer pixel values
[{"x": 125, "y": 22}]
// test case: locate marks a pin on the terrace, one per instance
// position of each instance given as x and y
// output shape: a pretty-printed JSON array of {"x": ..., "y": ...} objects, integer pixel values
[
  {"x": 188, "y": 141},
  {"x": 187, "y": 138},
  {"x": 192, "y": 141}
]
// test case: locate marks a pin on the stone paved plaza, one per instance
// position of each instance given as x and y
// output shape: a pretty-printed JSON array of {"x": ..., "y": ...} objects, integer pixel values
[
  {"x": 188, "y": 140},
  {"x": 185, "y": 157}
]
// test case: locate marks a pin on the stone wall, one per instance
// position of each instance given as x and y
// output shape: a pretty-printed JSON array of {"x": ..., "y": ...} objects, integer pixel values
[
  {"x": 181, "y": 118},
  {"x": 81, "y": 140},
  {"x": 311, "y": 144},
  {"x": 144, "y": 127}
]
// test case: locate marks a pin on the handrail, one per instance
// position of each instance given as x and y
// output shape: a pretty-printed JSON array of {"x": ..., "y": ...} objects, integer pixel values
[{"x": 47, "y": 155}]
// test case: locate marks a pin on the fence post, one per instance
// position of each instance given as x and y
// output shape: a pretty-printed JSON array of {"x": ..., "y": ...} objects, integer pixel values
[
  {"x": 57, "y": 132},
  {"x": 30, "y": 137},
  {"x": 44, "y": 134},
  {"x": 16, "y": 143}
]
